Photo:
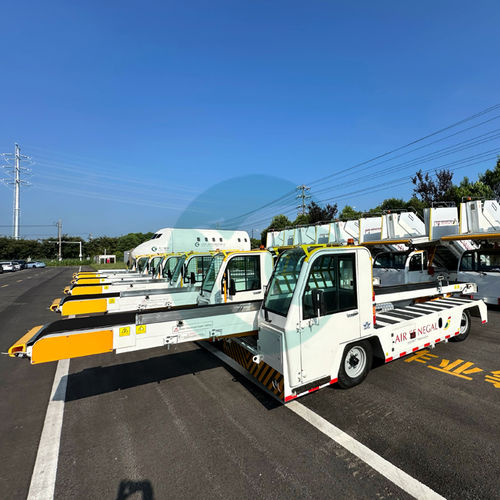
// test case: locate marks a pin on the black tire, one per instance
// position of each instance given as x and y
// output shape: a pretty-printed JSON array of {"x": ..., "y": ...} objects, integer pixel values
[
  {"x": 355, "y": 365},
  {"x": 465, "y": 323}
]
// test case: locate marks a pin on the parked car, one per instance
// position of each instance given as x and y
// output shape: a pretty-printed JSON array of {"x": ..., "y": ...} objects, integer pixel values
[
  {"x": 1, "y": 269},
  {"x": 8, "y": 266},
  {"x": 39, "y": 263},
  {"x": 21, "y": 263}
]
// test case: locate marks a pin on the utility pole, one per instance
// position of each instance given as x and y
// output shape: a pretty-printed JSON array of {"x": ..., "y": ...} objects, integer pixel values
[
  {"x": 59, "y": 235},
  {"x": 303, "y": 196},
  {"x": 17, "y": 186},
  {"x": 16, "y": 181}
]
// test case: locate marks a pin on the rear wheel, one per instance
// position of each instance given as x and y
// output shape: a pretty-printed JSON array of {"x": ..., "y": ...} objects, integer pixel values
[
  {"x": 464, "y": 328},
  {"x": 356, "y": 364}
]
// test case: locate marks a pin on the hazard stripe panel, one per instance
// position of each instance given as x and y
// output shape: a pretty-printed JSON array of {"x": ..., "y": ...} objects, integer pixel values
[{"x": 269, "y": 377}]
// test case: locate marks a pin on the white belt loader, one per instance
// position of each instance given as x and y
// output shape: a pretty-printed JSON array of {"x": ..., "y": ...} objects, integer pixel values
[
  {"x": 190, "y": 268},
  {"x": 248, "y": 271},
  {"x": 321, "y": 322}
]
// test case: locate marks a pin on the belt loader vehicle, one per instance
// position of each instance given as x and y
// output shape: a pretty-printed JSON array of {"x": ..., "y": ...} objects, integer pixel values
[
  {"x": 158, "y": 267},
  {"x": 321, "y": 322},
  {"x": 248, "y": 274},
  {"x": 189, "y": 268}
]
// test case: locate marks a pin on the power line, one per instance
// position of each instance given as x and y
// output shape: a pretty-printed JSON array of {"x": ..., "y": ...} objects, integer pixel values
[{"x": 388, "y": 153}]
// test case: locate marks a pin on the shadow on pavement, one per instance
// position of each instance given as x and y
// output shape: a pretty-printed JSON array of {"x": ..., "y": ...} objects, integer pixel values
[
  {"x": 130, "y": 488},
  {"x": 106, "y": 379}
]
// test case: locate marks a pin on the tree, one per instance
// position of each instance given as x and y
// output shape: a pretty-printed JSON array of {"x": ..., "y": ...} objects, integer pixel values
[
  {"x": 467, "y": 189},
  {"x": 349, "y": 213},
  {"x": 390, "y": 204},
  {"x": 318, "y": 214},
  {"x": 301, "y": 220},
  {"x": 492, "y": 179},
  {"x": 278, "y": 222},
  {"x": 431, "y": 190}
]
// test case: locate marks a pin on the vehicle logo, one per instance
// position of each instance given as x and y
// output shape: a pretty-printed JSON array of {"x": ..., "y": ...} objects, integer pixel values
[
  {"x": 448, "y": 321},
  {"x": 366, "y": 325},
  {"x": 153, "y": 248}
]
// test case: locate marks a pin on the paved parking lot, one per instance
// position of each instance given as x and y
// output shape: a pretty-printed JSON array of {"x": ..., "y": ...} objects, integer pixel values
[{"x": 180, "y": 423}]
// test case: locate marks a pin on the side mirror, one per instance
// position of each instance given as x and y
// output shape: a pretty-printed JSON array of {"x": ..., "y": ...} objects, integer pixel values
[
  {"x": 318, "y": 302},
  {"x": 192, "y": 278}
]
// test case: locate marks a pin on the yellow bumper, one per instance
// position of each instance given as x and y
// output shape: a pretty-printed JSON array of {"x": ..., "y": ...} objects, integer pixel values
[
  {"x": 86, "y": 290},
  {"x": 55, "y": 305},
  {"x": 84, "y": 307},
  {"x": 19, "y": 348}
]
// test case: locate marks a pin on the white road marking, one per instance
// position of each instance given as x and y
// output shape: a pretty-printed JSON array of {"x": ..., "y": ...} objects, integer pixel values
[
  {"x": 43, "y": 480},
  {"x": 397, "y": 476},
  {"x": 3, "y": 286},
  {"x": 19, "y": 281},
  {"x": 381, "y": 465}
]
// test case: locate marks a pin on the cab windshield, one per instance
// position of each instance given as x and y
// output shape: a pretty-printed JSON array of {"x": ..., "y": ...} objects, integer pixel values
[
  {"x": 142, "y": 263},
  {"x": 391, "y": 260},
  {"x": 283, "y": 281},
  {"x": 169, "y": 266},
  {"x": 481, "y": 261},
  {"x": 155, "y": 264},
  {"x": 213, "y": 271},
  {"x": 178, "y": 269}
]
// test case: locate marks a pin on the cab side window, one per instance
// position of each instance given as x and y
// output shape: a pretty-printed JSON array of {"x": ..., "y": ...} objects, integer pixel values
[
  {"x": 467, "y": 262},
  {"x": 244, "y": 271},
  {"x": 416, "y": 262},
  {"x": 335, "y": 275},
  {"x": 199, "y": 267}
]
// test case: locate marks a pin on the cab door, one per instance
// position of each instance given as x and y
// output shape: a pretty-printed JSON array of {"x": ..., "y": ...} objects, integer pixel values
[
  {"x": 330, "y": 313},
  {"x": 415, "y": 268},
  {"x": 244, "y": 278}
]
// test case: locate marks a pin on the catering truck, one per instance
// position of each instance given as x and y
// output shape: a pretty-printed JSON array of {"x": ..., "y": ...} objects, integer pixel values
[{"x": 321, "y": 322}]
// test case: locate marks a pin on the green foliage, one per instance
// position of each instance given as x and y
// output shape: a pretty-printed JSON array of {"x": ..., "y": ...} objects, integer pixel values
[
  {"x": 467, "y": 189},
  {"x": 301, "y": 220},
  {"x": 316, "y": 213},
  {"x": 278, "y": 222},
  {"x": 491, "y": 178},
  {"x": 349, "y": 212},
  {"x": 255, "y": 242},
  {"x": 429, "y": 189},
  {"x": 48, "y": 248}
]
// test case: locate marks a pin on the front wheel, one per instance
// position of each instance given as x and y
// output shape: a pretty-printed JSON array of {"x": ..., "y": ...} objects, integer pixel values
[
  {"x": 464, "y": 328},
  {"x": 356, "y": 364}
]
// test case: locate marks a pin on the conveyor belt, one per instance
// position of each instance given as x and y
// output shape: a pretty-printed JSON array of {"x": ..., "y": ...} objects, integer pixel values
[
  {"x": 412, "y": 286},
  {"x": 153, "y": 316}
]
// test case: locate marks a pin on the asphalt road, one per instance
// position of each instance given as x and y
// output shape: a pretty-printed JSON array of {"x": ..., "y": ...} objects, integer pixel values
[{"x": 179, "y": 423}]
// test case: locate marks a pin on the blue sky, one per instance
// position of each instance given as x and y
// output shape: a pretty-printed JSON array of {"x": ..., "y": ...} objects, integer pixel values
[{"x": 140, "y": 115}]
